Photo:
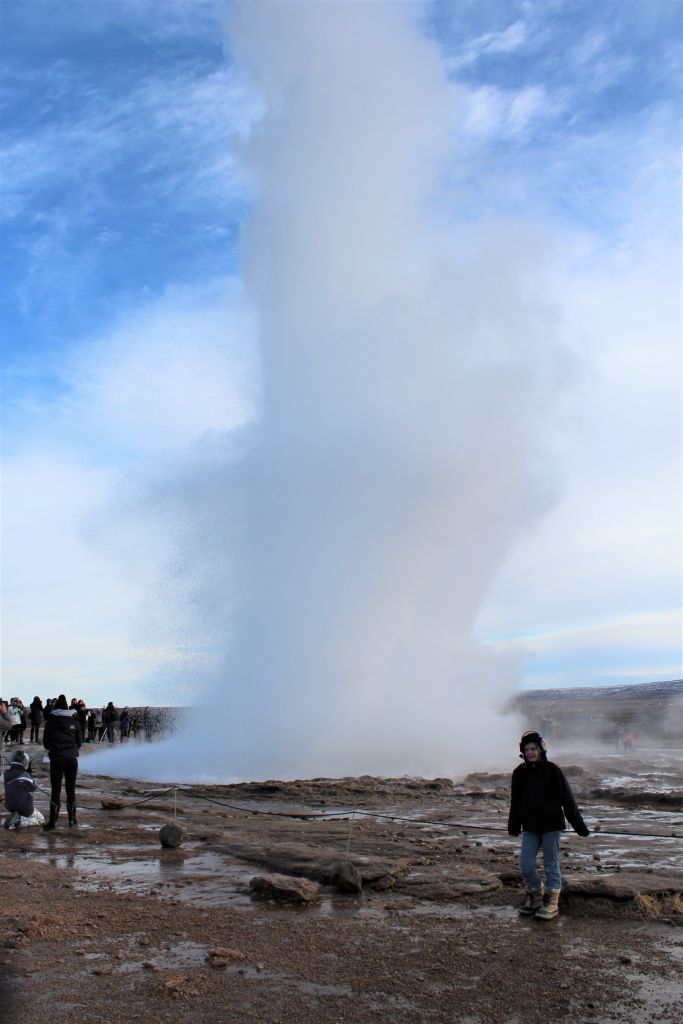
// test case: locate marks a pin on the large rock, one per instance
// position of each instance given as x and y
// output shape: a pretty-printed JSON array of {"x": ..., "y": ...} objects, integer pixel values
[
  {"x": 321, "y": 863},
  {"x": 114, "y": 804},
  {"x": 285, "y": 889},
  {"x": 170, "y": 835},
  {"x": 348, "y": 878}
]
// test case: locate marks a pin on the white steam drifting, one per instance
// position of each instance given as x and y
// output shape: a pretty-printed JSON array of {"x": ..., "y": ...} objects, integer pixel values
[{"x": 406, "y": 372}]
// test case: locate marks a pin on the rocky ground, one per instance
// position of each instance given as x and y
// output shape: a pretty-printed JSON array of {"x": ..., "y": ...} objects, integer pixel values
[{"x": 100, "y": 923}]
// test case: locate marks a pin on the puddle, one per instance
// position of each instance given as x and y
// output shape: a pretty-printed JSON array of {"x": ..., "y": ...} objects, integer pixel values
[
  {"x": 181, "y": 955},
  {"x": 207, "y": 879},
  {"x": 658, "y": 781},
  {"x": 656, "y": 998},
  {"x": 344, "y": 907}
]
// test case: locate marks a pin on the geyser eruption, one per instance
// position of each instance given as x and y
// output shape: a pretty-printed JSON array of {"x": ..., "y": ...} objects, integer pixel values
[{"x": 406, "y": 368}]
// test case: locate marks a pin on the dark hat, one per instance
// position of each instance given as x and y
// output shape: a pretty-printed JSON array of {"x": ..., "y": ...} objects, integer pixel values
[{"x": 532, "y": 737}]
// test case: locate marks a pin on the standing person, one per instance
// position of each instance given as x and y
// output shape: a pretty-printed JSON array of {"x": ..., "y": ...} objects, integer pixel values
[
  {"x": 36, "y": 716},
  {"x": 148, "y": 723},
  {"x": 82, "y": 712},
  {"x": 110, "y": 717},
  {"x": 15, "y": 719},
  {"x": 5, "y": 724},
  {"x": 540, "y": 799},
  {"x": 62, "y": 738},
  {"x": 99, "y": 724},
  {"x": 91, "y": 726},
  {"x": 125, "y": 724},
  {"x": 23, "y": 719}
]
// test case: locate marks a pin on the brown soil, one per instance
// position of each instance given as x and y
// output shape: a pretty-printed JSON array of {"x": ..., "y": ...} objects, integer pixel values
[{"x": 100, "y": 923}]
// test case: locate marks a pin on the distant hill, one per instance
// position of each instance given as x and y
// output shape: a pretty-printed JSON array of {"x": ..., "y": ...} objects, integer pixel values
[{"x": 651, "y": 710}]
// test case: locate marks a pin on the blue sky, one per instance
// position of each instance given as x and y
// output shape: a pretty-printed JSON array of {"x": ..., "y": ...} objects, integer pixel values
[{"x": 127, "y": 336}]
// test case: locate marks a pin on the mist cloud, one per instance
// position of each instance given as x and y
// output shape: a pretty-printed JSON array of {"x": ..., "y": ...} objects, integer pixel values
[
  {"x": 396, "y": 458},
  {"x": 347, "y": 543}
]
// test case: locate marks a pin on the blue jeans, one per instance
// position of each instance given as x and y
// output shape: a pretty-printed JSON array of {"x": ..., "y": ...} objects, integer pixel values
[{"x": 531, "y": 844}]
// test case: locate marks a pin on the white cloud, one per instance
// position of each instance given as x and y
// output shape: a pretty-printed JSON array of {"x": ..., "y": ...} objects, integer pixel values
[
  {"x": 611, "y": 550},
  {"x": 162, "y": 376},
  {"x": 84, "y": 535},
  {"x": 486, "y": 111},
  {"x": 597, "y": 63},
  {"x": 507, "y": 40},
  {"x": 176, "y": 127},
  {"x": 64, "y": 609},
  {"x": 525, "y": 106}
]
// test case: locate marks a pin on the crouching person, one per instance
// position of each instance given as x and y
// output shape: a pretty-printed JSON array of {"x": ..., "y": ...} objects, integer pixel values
[
  {"x": 19, "y": 790},
  {"x": 540, "y": 799}
]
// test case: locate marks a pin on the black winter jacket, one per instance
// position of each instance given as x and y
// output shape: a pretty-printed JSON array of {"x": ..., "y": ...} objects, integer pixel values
[
  {"x": 539, "y": 800},
  {"x": 62, "y": 736},
  {"x": 19, "y": 789}
]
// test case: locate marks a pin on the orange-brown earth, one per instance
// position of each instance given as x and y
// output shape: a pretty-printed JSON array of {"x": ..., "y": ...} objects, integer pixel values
[{"x": 100, "y": 923}]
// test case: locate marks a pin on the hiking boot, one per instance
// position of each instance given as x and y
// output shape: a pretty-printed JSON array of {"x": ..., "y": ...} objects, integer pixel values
[
  {"x": 532, "y": 902},
  {"x": 550, "y": 908},
  {"x": 71, "y": 811},
  {"x": 12, "y": 820}
]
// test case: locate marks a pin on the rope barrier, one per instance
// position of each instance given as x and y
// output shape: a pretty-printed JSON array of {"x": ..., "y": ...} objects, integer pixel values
[
  {"x": 348, "y": 841},
  {"x": 139, "y": 803},
  {"x": 468, "y": 826},
  {"x": 301, "y": 815}
]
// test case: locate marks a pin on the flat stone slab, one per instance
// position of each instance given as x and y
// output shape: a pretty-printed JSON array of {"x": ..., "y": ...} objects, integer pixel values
[
  {"x": 443, "y": 884},
  {"x": 623, "y": 885}
]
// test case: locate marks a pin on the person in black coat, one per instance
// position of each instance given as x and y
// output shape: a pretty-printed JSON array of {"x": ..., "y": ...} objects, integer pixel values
[
  {"x": 36, "y": 716},
  {"x": 62, "y": 738},
  {"x": 540, "y": 798},
  {"x": 110, "y": 717},
  {"x": 82, "y": 713}
]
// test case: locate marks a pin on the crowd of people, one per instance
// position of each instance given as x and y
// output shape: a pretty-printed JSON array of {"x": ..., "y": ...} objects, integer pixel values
[
  {"x": 97, "y": 724},
  {"x": 66, "y": 727}
]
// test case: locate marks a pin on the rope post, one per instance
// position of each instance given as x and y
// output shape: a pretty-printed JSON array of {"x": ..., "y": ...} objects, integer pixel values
[
  {"x": 348, "y": 840},
  {"x": 175, "y": 802}
]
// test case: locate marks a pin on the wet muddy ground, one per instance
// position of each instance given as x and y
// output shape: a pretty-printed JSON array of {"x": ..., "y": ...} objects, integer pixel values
[{"x": 100, "y": 923}]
